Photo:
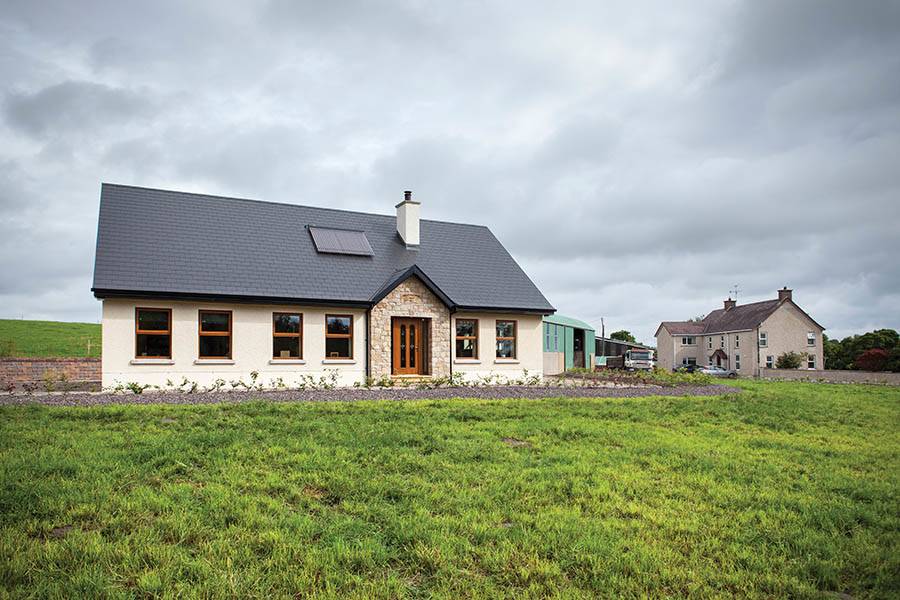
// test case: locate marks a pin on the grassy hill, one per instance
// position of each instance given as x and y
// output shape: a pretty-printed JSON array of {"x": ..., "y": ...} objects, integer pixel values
[{"x": 48, "y": 338}]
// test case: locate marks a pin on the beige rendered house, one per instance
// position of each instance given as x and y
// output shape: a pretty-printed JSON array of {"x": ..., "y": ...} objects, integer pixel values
[
  {"x": 210, "y": 288},
  {"x": 745, "y": 338}
]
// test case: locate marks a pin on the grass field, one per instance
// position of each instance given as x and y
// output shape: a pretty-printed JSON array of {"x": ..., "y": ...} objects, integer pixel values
[
  {"x": 787, "y": 489},
  {"x": 48, "y": 338}
]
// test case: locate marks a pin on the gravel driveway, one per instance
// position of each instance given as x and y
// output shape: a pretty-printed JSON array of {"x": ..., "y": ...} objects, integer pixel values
[{"x": 354, "y": 394}]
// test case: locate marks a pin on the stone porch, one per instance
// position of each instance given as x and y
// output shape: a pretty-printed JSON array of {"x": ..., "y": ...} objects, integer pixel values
[{"x": 410, "y": 299}]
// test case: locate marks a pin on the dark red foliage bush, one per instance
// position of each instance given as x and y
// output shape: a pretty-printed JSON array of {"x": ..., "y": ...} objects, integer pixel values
[{"x": 872, "y": 360}]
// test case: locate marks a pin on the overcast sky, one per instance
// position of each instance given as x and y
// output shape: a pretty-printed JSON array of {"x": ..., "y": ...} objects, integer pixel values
[{"x": 637, "y": 159}]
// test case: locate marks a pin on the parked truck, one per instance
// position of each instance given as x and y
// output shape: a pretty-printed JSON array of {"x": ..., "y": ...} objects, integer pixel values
[
  {"x": 639, "y": 359},
  {"x": 618, "y": 354}
]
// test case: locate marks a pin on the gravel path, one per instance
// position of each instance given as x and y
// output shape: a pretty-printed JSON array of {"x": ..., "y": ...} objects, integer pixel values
[{"x": 354, "y": 394}]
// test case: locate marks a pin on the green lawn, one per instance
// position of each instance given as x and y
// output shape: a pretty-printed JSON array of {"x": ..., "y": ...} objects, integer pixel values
[
  {"x": 48, "y": 338},
  {"x": 788, "y": 489}
]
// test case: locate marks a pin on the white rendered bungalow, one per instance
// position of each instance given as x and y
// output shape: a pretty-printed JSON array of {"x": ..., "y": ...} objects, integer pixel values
[{"x": 211, "y": 288}]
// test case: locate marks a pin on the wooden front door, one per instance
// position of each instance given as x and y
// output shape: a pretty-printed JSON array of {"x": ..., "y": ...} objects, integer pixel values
[{"x": 407, "y": 347}]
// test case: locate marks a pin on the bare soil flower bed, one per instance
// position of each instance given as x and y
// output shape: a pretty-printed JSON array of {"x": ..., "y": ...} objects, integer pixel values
[{"x": 356, "y": 394}]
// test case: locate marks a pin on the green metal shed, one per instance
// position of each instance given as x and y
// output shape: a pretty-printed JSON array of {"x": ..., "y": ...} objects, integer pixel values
[{"x": 568, "y": 343}]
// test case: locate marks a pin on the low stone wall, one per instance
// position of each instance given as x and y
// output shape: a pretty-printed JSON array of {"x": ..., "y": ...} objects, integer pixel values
[
  {"x": 830, "y": 376},
  {"x": 21, "y": 371}
]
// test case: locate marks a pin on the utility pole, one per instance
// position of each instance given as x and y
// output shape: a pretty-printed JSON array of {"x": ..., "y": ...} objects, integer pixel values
[{"x": 603, "y": 334}]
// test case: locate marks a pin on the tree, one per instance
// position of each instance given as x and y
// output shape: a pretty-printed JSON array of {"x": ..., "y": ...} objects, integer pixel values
[
  {"x": 835, "y": 357},
  {"x": 872, "y": 360},
  {"x": 622, "y": 335},
  {"x": 844, "y": 354},
  {"x": 789, "y": 360}
]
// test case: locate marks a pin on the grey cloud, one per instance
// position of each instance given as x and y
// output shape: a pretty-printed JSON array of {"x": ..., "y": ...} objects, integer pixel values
[{"x": 73, "y": 106}]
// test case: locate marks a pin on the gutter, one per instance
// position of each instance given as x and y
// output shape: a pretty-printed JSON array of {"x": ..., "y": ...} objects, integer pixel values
[{"x": 203, "y": 297}]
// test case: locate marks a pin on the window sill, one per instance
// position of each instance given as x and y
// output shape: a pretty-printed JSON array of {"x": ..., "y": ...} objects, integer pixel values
[
  {"x": 338, "y": 361},
  {"x": 287, "y": 361},
  {"x": 151, "y": 361},
  {"x": 214, "y": 361},
  {"x": 506, "y": 361},
  {"x": 466, "y": 361}
]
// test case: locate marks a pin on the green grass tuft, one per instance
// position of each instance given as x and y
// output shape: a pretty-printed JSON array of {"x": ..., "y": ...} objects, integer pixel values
[
  {"x": 785, "y": 490},
  {"x": 49, "y": 339}
]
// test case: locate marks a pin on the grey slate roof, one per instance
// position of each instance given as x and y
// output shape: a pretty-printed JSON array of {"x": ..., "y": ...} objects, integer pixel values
[
  {"x": 740, "y": 318},
  {"x": 683, "y": 327},
  {"x": 157, "y": 242}
]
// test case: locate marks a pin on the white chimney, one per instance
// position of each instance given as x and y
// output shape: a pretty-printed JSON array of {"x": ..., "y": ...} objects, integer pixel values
[{"x": 408, "y": 219}]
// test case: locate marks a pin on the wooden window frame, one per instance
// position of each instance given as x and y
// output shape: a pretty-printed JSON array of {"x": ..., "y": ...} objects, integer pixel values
[
  {"x": 202, "y": 334},
  {"x": 138, "y": 331},
  {"x": 763, "y": 339},
  {"x": 299, "y": 335},
  {"x": 339, "y": 336},
  {"x": 458, "y": 337},
  {"x": 514, "y": 338}
]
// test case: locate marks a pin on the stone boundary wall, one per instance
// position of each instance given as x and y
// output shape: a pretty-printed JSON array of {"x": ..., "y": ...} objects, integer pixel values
[
  {"x": 34, "y": 370},
  {"x": 831, "y": 376}
]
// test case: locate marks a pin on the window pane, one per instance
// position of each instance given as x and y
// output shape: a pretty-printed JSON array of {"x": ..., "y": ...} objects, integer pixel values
[
  {"x": 337, "y": 347},
  {"x": 214, "y": 321},
  {"x": 287, "y": 323},
  {"x": 286, "y": 347},
  {"x": 465, "y": 348},
  {"x": 153, "y": 320},
  {"x": 412, "y": 347},
  {"x": 154, "y": 345},
  {"x": 506, "y": 349},
  {"x": 338, "y": 325},
  {"x": 465, "y": 328},
  {"x": 217, "y": 346},
  {"x": 506, "y": 329}
]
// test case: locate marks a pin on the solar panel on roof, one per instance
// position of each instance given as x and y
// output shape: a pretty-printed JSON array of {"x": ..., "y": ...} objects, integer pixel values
[{"x": 340, "y": 241}]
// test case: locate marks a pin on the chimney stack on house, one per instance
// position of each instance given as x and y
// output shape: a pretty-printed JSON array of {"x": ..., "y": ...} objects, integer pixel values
[
  {"x": 730, "y": 303},
  {"x": 408, "y": 219},
  {"x": 784, "y": 294}
]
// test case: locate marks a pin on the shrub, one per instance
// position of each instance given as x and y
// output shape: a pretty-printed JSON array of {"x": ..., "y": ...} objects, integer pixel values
[
  {"x": 49, "y": 380},
  {"x": 872, "y": 360},
  {"x": 789, "y": 360},
  {"x": 136, "y": 388}
]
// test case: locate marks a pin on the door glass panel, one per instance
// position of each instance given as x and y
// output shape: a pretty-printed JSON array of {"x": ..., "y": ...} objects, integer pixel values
[
  {"x": 403, "y": 346},
  {"x": 412, "y": 346}
]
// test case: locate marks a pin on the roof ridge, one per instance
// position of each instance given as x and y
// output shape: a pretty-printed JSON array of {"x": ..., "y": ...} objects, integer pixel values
[
  {"x": 241, "y": 199},
  {"x": 751, "y": 304}
]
